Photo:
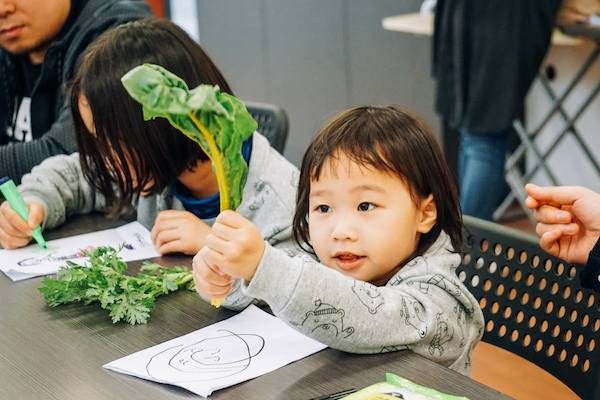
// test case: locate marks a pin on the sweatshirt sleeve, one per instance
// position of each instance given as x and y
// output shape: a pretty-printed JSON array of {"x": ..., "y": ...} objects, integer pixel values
[
  {"x": 428, "y": 313},
  {"x": 17, "y": 159},
  {"x": 238, "y": 299},
  {"x": 58, "y": 184}
]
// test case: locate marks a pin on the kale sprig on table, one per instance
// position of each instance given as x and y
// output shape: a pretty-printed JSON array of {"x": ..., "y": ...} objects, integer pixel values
[{"x": 103, "y": 280}]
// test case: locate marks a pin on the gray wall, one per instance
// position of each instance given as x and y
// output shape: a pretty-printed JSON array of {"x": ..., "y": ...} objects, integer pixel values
[{"x": 316, "y": 57}]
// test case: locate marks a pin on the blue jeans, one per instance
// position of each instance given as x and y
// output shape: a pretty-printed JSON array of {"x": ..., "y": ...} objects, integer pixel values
[{"x": 481, "y": 172}]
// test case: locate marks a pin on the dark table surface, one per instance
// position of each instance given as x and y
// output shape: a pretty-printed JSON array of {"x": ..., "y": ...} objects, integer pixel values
[{"x": 58, "y": 353}]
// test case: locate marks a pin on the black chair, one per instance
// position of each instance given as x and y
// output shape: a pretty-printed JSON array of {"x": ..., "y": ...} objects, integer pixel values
[
  {"x": 533, "y": 304},
  {"x": 272, "y": 123}
]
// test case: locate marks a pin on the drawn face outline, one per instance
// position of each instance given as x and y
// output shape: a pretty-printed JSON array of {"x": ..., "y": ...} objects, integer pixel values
[
  {"x": 198, "y": 362},
  {"x": 219, "y": 351}
]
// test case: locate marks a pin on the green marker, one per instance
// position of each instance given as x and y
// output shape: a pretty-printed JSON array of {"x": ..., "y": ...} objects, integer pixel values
[{"x": 12, "y": 195}]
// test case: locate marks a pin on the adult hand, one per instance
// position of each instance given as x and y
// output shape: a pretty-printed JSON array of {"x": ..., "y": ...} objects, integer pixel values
[
  {"x": 176, "y": 231},
  {"x": 14, "y": 232},
  {"x": 568, "y": 220},
  {"x": 235, "y": 246},
  {"x": 210, "y": 282}
]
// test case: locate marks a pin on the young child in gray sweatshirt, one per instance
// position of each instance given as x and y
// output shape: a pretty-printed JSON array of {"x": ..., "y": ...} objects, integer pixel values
[
  {"x": 378, "y": 208},
  {"x": 124, "y": 161}
]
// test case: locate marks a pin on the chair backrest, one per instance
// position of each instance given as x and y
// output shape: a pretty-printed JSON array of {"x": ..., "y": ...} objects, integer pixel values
[
  {"x": 533, "y": 304},
  {"x": 272, "y": 123}
]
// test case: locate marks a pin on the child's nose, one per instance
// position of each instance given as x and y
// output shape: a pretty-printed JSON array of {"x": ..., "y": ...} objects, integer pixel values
[{"x": 343, "y": 230}]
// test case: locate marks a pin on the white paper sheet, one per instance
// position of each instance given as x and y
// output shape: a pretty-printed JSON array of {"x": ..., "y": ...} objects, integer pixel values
[
  {"x": 32, "y": 260},
  {"x": 242, "y": 347}
]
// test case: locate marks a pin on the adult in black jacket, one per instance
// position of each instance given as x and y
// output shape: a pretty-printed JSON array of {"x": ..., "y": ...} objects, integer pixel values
[
  {"x": 486, "y": 54},
  {"x": 569, "y": 226},
  {"x": 40, "y": 45}
]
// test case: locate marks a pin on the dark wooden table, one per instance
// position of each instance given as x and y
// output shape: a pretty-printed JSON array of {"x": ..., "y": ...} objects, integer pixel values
[{"x": 58, "y": 353}]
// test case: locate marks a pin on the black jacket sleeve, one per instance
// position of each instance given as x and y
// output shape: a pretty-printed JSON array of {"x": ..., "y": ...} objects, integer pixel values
[
  {"x": 18, "y": 158},
  {"x": 590, "y": 275}
]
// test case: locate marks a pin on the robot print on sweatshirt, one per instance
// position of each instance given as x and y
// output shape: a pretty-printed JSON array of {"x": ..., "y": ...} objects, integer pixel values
[
  {"x": 443, "y": 334},
  {"x": 327, "y": 319},
  {"x": 369, "y": 295},
  {"x": 461, "y": 322},
  {"x": 396, "y": 280},
  {"x": 443, "y": 283},
  {"x": 413, "y": 314}
]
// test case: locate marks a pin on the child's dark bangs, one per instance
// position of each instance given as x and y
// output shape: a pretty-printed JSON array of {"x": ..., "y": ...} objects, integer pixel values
[{"x": 356, "y": 141}]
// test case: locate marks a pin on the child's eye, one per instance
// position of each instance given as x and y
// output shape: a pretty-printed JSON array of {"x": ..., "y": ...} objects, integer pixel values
[
  {"x": 322, "y": 208},
  {"x": 366, "y": 206}
]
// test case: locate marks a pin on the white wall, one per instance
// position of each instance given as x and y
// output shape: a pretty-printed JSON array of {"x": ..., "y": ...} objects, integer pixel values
[{"x": 568, "y": 162}]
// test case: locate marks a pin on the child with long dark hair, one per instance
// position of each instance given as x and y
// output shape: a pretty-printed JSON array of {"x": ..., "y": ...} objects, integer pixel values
[
  {"x": 124, "y": 161},
  {"x": 378, "y": 208}
]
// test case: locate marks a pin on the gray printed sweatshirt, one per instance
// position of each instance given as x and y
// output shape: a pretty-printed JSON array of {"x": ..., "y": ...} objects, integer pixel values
[
  {"x": 268, "y": 201},
  {"x": 424, "y": 307}
]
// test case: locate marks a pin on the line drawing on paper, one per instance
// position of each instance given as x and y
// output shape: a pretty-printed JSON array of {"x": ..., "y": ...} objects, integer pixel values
[
  {"x": 208, "y": 359},
  {"x": 57, "y": 257},
  {"x": 53, "y": 257},
  {"x": 140, "y": 240}
]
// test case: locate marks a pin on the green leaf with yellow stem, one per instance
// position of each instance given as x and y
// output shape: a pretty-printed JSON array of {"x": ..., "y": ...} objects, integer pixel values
[{"x": 217, "y": 121}]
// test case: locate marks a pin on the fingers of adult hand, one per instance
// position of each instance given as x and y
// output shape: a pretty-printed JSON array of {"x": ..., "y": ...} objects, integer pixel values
[
  {"x": 563, "y": 229},
  {"x": 549, "y": 242},
  {"x": 554, "y": 194},
  {"x": 552, "y": 215},
  {"x": 532, "y": 203}
]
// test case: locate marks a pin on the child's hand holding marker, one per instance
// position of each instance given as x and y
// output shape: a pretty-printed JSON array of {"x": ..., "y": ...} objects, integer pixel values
[
  {"x": 19, "y": 221},
  {"x": 233, "y": 249}
]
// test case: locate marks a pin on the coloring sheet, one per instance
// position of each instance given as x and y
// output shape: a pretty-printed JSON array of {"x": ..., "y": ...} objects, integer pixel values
[
  {"x": 32, "y": 260},
  {"x": 242, "y": 347}
]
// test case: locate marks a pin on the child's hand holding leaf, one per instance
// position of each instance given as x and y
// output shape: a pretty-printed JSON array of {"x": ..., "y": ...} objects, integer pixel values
[
  {"x": 210, "y": 282},
  {"x": 234, "y": 245}
]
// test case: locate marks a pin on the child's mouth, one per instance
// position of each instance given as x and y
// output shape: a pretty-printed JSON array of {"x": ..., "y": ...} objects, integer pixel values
[{"x": 347, "y": 261}]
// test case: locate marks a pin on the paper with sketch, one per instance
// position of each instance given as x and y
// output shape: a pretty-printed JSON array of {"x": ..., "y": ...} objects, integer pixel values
[
  {"x": 242, "y": 347},
  {"x": 32, "y": 260}
]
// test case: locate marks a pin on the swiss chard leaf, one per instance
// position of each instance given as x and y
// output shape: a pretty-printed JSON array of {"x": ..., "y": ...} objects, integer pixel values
[{"x": 215, "y": 120}]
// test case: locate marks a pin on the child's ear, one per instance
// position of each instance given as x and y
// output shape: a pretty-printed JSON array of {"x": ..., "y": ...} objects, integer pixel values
[{"x": 428, "y": 210}]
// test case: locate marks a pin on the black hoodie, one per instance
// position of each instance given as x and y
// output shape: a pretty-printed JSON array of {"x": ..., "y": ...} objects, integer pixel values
[{"x": 51, "y": 120}]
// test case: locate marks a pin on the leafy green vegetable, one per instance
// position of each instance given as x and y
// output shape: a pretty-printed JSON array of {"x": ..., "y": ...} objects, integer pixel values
[
  {"x": 217, "y": 121},
  {"x": 103, "y": 280}
]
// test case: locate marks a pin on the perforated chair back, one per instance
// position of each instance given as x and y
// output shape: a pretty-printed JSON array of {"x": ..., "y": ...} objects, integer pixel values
[
  {"x": 272, "y": 123},
  {"x": 533, "y": 304}
]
